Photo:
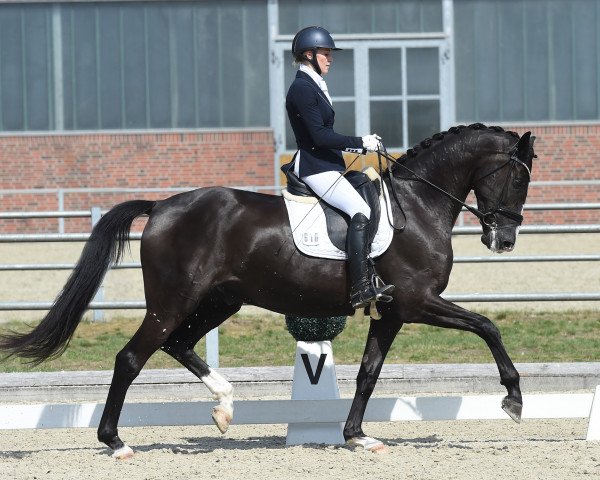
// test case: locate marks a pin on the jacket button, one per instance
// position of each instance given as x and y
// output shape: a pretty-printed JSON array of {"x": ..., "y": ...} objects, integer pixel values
[{"x": 312, "y": 148}]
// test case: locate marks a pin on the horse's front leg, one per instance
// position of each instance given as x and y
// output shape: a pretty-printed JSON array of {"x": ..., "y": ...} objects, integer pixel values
[
  {"x": 442, "y": 313},
  {"x": 381, "y": 335}
]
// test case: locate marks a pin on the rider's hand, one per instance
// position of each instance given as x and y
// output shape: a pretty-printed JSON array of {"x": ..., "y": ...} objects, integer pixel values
[{"x": 372, "y": 142}]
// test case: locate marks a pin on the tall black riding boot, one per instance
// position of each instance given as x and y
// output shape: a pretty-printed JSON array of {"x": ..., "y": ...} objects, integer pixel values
[{"x": 364, "y": 289}]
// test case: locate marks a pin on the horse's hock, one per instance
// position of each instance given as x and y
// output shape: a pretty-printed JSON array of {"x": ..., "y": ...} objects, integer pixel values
[{"x": 314, "y": 375}]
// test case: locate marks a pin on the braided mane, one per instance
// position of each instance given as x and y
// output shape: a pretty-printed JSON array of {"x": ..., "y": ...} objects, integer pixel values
[{"x": 424, "y": 144}]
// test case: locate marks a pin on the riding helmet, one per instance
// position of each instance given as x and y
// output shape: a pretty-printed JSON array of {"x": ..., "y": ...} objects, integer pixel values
[{"x": 312, "y": 38}]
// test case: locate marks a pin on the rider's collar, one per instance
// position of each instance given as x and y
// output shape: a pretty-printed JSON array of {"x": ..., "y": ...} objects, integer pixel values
[{"x": 312, "y": 74}]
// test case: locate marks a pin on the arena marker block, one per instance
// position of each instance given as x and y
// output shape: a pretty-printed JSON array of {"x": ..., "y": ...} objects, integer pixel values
[
  {"x": 315, "y": 379},
  {"x": 593, "y": 432}
]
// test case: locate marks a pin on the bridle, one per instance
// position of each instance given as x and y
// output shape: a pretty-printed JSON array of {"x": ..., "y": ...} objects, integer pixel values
[{"x": 488, "y": 218}]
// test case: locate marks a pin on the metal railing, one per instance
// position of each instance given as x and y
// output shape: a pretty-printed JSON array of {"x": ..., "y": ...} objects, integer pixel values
[
  {"x": 60, "y": 193},
  {"x": 98, "y": 305}
]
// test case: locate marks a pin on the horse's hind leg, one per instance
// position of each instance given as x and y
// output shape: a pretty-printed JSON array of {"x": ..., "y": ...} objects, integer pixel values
[
  {"x": 442, "y": 313},
  {"x": 153, "y": 332},
  {"x": 180, "y": 345}
]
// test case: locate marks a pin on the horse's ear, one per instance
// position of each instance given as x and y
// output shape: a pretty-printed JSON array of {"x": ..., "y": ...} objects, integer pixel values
[{"x": 523, "y": 146}]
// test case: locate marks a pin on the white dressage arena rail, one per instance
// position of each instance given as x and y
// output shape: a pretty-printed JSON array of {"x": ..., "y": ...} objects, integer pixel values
[
  {"x": 470, "y": 407},
  {"x": 24, "y": 405}
]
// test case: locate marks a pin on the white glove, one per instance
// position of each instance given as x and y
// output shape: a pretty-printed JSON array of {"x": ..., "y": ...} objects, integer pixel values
[{"x": 372, "y": 142}]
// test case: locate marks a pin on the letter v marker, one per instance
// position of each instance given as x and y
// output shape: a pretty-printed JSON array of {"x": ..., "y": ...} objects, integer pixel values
[{"x": 313, "y": 377}]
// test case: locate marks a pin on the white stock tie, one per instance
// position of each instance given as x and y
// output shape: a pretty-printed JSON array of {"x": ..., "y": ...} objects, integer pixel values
[{"x": 325, "y": 91}]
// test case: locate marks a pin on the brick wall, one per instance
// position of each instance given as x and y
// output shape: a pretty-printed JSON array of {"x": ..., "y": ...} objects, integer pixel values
[
  {"x": 234, "y": 158},
  {"x": 124, "y": 160}
]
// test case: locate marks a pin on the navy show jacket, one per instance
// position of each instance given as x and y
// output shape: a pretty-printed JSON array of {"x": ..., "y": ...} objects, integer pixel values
[{"x": 311, "y": 117}]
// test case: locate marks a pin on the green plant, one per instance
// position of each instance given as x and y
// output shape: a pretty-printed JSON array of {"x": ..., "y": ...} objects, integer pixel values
[{"x": 311, "y": 329}]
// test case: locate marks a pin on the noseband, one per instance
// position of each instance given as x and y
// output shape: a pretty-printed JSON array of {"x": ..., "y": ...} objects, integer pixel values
[{"x": 488, "y": 218}]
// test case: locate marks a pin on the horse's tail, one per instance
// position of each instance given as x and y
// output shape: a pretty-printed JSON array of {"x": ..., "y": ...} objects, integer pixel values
[{"x": 105, "y": 246}]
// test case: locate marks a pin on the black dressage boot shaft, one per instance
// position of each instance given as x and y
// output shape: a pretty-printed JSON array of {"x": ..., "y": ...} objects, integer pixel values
[{"x": 363, "y": 290}]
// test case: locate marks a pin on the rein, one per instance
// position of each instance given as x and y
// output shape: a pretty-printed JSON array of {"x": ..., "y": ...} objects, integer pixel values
[{"x": 488, "y": 218}]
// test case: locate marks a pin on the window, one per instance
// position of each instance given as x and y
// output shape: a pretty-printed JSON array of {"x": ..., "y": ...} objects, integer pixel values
[
  {"x": 527, "y": 60},
  {"x": 360, "y": 16},
  {"x": 404, "y": 94},
  {"x": 80, "y": 66},
  {"x": 26, "y": 82}
]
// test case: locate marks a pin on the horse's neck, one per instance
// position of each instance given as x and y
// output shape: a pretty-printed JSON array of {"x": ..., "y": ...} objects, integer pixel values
[
  {"x": 453, "y": 165},
  {"x": 450, "y": 165}
]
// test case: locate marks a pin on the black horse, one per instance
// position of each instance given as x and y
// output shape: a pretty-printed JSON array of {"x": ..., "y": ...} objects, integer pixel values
[{"x": 207, "y": 252}]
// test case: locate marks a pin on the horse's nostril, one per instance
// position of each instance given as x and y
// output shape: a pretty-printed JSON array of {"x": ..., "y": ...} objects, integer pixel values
[{"x": 507, "y": 245}]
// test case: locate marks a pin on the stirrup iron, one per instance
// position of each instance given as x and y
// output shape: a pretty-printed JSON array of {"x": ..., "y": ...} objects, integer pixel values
[
  {"x": 382, "y": 288},
  {"x": 374, "y": 291}
]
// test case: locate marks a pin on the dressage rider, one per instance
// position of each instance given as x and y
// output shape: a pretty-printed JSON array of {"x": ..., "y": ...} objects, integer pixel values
[{"x": 319, "y": 161}]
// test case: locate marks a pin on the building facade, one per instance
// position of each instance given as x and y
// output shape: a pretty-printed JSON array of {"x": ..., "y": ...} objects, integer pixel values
[{"x": 179, "y": 94}]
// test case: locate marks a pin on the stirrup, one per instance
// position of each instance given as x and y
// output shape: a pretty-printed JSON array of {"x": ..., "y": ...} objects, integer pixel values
[
  {"x": 382, "y": 289},
  {"x": 375, "y": 291}
]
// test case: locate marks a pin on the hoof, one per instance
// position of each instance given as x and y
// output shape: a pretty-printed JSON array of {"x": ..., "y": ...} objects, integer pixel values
[
  {"x": 369, "y": 444},
  {"x": 222, "y": 418},
  {"x": 123, "y": 453},
  {"x": 513, "y": 408}
]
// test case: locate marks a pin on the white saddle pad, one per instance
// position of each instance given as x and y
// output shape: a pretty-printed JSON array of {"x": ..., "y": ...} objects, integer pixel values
[{"x": 309, "y": 229}]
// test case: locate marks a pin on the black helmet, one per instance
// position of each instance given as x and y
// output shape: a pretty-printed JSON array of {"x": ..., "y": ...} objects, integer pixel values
[{"x": 312, "y": 38}]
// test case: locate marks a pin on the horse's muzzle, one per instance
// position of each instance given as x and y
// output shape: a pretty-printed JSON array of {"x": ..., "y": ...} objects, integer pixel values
[{"x": 500, "y": 240}]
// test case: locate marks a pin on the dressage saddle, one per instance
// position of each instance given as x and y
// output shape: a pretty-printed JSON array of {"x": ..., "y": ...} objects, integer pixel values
[{"x": 338, "y": 221}]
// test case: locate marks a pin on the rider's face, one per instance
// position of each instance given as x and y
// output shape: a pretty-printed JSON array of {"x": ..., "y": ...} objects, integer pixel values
[{"x": 324, "y": 59}]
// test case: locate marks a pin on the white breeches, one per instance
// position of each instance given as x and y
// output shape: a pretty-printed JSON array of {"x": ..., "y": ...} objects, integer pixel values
[{"x": 335, "y": 190}]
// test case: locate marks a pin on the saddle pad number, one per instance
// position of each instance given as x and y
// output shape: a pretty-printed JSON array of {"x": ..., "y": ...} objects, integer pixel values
[{"x": 310, "y": 238}]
